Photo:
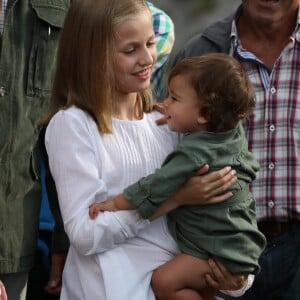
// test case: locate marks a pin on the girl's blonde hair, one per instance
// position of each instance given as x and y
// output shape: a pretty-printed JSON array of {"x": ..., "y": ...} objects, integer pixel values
[{"x": 85, "y": 60}]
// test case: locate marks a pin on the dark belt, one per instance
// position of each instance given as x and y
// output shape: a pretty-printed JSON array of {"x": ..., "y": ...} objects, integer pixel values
[{"x": 272, "y": 229}]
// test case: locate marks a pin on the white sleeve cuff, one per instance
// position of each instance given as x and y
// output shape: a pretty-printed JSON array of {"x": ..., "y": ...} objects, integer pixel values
[
  {"x": 240, "y": 292},
  {"x": 131, "y": 223}
]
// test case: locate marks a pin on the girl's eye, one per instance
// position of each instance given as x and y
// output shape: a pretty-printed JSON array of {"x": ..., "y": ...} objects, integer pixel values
[
  {"x": 151, "y": 43},
  {"x": 129, "y": 50}
]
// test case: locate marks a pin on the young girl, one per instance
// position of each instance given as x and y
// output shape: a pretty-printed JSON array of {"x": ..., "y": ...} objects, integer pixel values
[
  {"x": 100, "y": 138},
  {"x": 208, "y": 95}
]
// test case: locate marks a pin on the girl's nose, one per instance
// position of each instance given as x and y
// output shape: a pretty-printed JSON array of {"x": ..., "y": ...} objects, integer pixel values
[{"x": 146, "y": 58}]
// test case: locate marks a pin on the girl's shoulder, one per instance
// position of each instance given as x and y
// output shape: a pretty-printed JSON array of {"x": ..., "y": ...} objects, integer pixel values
[
  {"x": 72, "y": 119},
  {"x": 74, "y": 115},
  {"x": 71, "y": 112}
]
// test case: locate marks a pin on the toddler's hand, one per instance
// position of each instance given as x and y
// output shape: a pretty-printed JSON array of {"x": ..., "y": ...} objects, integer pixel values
[{"x": 108, "y": 205}]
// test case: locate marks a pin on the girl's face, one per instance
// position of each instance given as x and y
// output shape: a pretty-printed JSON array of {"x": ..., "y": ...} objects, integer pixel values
[
  {"x": 183, "y": 107},
  {"x": 135, "y": 53}
]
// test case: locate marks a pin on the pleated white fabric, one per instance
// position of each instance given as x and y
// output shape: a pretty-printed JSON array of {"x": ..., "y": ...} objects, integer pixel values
[{"x": 112, "y": 257}]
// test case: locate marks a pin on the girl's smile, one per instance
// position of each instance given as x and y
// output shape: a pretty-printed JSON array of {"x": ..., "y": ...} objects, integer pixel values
[{"x": 135, "y": 53}]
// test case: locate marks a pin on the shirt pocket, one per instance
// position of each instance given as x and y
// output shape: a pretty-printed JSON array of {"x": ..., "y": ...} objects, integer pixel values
[{"x": 50, "y": 16}]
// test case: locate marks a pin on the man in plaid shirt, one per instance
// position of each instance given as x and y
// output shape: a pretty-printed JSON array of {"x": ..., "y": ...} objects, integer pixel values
[{"x": 264, "y": 36}]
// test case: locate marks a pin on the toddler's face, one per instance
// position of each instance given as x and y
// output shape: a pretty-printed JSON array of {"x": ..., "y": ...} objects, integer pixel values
[{"x": 183, "y": 107}]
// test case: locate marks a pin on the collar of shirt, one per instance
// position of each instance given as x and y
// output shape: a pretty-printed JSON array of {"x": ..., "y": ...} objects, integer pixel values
[
  {"x": 234, "y": 36},
  {"x": 242, "y": 54}
]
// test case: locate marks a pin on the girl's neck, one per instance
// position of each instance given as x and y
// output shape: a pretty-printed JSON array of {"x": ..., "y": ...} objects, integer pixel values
[{"x": 127, "y": 108}]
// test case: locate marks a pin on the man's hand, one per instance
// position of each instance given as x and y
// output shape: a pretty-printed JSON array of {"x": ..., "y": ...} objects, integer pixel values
[{"x": 53, "y": 286}]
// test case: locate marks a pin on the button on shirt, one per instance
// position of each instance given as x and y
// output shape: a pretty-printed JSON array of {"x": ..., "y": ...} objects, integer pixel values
[{"x": 273, "y": 130}]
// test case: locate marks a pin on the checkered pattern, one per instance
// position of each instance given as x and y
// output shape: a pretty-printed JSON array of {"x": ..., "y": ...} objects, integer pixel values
[
  {"x": 2, "y": 14},
  {"x": 273, "y": 130},
  {"x": 163, "y": 27}
]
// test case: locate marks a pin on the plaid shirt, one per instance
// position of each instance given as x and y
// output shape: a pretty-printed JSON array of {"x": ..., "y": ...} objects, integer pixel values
[
  {"x": 273, "y": 130},
  {"x": 2, "y": 14},
  {"x": 164, "y": 33}
]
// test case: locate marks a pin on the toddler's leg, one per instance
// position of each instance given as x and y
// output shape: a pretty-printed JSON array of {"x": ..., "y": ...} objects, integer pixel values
[{"x": 182, "y": 278}]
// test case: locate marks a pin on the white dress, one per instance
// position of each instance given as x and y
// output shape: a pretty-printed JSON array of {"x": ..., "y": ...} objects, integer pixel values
[{"x": 112, "y": 257}]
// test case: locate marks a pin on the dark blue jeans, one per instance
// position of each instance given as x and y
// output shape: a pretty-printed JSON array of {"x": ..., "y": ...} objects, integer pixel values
[{"x": 279, "y": 278}]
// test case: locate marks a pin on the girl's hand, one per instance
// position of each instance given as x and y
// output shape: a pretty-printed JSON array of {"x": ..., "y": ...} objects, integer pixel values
[
  {"x": 222, "y": 279},
  {"x": 204, "y": 188},
  {"x": 161, "y": 107}
]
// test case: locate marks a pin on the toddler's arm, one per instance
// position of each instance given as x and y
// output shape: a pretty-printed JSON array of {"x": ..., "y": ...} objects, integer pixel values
[{"x": 117, "y": 203}]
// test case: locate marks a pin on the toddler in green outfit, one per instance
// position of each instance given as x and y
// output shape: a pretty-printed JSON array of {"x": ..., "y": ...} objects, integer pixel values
[{"x": 208, "y": 96}]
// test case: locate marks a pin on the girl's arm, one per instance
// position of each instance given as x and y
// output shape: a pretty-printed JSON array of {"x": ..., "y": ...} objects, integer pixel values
[
  {"x": 200, "y": 189},
  {"x": 75, "y": 169}
]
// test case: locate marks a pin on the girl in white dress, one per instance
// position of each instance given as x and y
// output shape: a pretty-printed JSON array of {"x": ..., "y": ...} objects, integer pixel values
[{"x": 101, "y": 137}]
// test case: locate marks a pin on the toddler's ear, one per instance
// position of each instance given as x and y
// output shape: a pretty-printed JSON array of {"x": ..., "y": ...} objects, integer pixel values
[
  {"x": 242, "y": 116},
  {"x": 202, "y": 120}
]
